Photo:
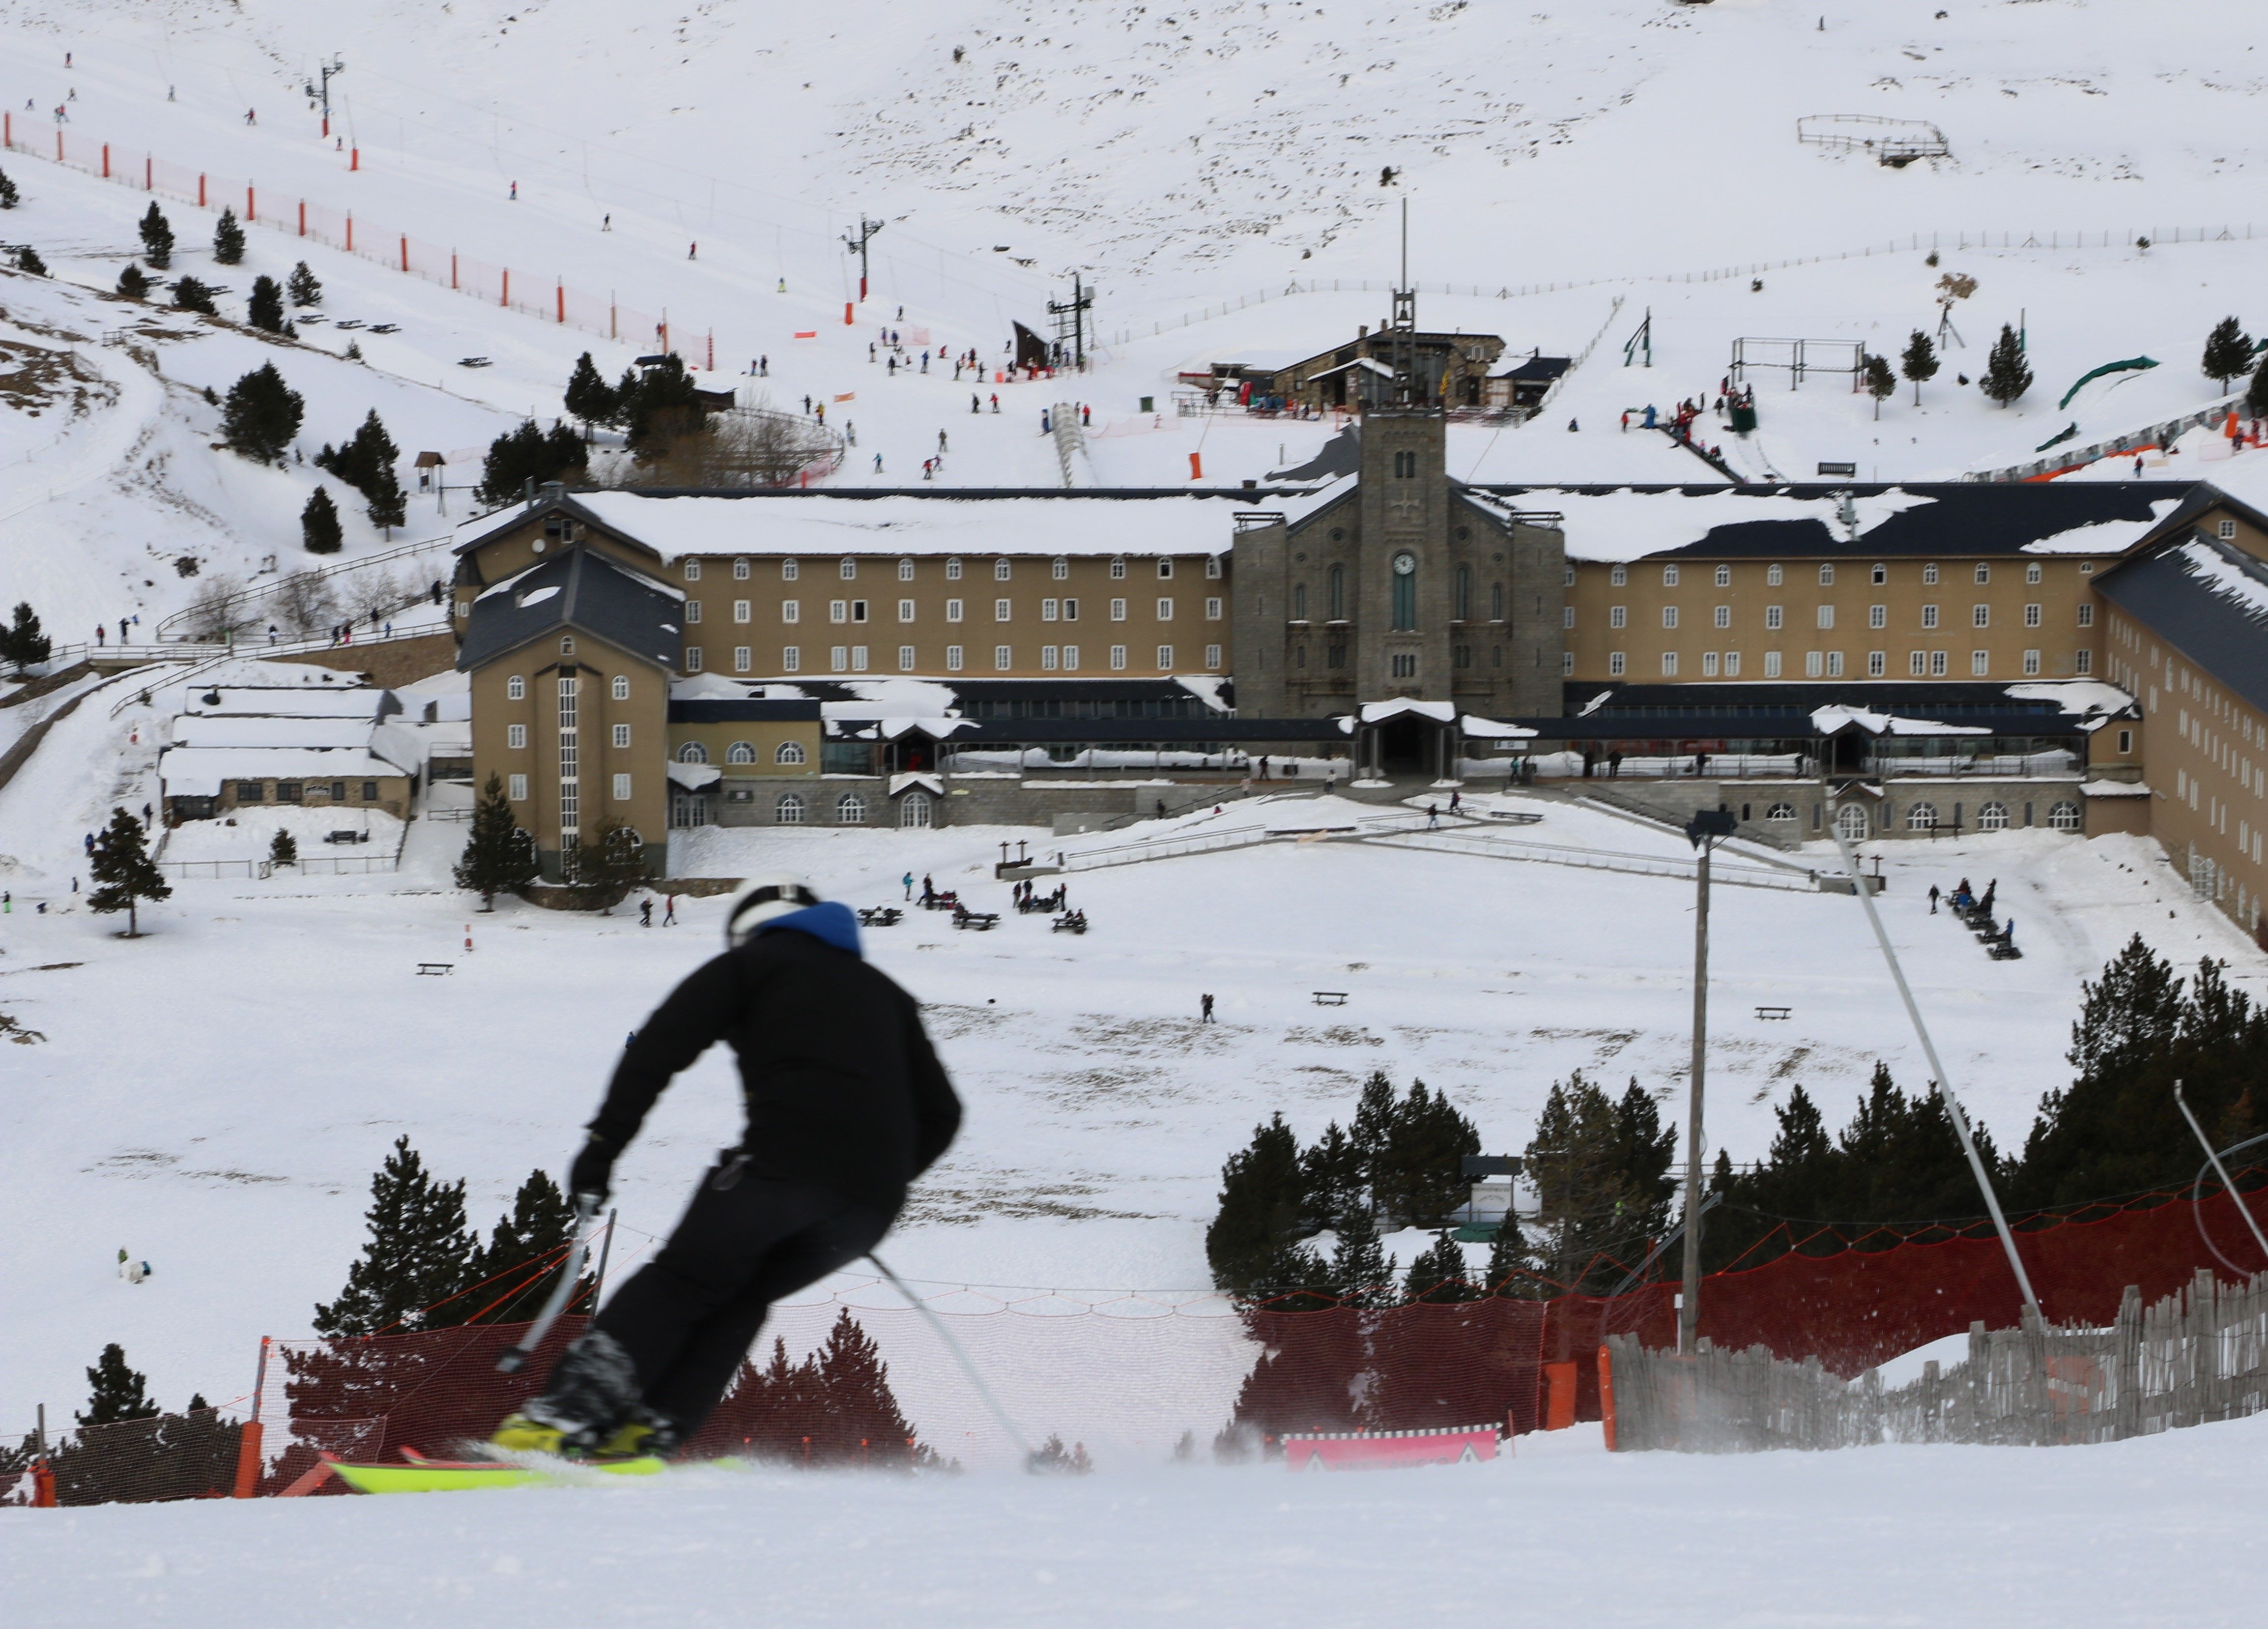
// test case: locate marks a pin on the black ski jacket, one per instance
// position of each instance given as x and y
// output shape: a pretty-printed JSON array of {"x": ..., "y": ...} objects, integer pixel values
[{"x": 843, "y": 1087}]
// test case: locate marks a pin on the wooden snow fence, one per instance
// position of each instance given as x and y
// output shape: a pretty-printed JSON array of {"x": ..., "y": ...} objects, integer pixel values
[{"x": 2196, "y": 1357}]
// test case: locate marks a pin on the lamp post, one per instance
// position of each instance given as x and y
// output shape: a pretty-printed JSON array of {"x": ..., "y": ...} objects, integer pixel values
[{"x": 1704, "y": 829}]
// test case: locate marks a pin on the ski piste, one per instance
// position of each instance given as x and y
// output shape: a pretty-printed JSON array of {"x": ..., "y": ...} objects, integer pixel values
[{"x": 421, "y": 1475}]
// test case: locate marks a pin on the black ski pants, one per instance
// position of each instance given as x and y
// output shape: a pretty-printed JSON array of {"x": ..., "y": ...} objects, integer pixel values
[{"x": 688, "y": 1317}]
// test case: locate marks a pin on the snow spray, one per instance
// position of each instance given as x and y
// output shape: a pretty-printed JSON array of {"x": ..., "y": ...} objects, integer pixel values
[{"x": 959, "y": 1356}]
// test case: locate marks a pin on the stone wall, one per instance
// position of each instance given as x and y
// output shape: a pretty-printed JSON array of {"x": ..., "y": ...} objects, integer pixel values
[{"x": 390, "y": 662}]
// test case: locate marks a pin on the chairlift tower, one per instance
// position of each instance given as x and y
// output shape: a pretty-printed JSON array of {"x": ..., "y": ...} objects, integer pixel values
[
  {"x": 858, "y": 245},
  {"x": 1071, "y": 323},
  {"x": 320, "y": 87}
]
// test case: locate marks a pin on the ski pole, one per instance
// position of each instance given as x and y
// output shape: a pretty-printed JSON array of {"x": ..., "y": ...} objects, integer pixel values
[
  {"x": 586, "y": 1209},
  {"x": 961, "y": 1356}
]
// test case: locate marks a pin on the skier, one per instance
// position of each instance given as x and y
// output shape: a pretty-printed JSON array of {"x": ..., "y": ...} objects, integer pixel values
[
  {"x": 606, "y": 222},
  {"x": 909, "y": 880},
  {"x": 1932, "y": 898},
  {"x": 846, "y": 1104},
  {"x": 940, "y": 441},
  {"x": 1204, "y": 1009},
  {"x": 669, "y": 910},
  {"x": 878, "y": 463},
  {"x": 515, "y": 192},
  {"x": 693, "y": 251},
  {"x": 645, "y": 912}
]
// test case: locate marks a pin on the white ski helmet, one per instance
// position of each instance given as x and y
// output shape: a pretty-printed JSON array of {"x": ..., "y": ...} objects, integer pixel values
[{"x": 759, "y": 899}]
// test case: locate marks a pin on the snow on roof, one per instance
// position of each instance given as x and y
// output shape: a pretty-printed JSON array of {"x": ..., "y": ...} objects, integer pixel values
[
  {"x": 709, "y": 687},
  {"x": 897, "y": 697},
  {"x": 694, "y": 776},
  {"x": 2224, "y": 577},
  {"x": 1490, "y": 729},
  {"x": 199, "y": 771},
  {"x": 1623, "y": 526},
  {"x": 915, "y": 778},
  {"x": 236, "y": 730},
  {"x": 287, "y": 701},
  {"x": 1298, "y": 509},
  {"x": 1828, "y": 720},
  {"x": 2074, "y": 695},
  {"x": 2113, "y": 789},
  {"x": 822, "y": 526},
  {"x": 1204, "y": 686},
  {"x": 1378, "y": 712}
]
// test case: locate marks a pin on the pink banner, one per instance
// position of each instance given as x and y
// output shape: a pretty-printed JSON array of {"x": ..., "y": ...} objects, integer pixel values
[{"x": 1374, "y": 1450}]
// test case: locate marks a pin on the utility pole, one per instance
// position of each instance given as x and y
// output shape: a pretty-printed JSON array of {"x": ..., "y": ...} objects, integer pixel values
[
  {"x": 1703, "y": 830},
  {"x": 321, "y": 87},
  {"x": 867, "y": 230},
  {"x": 1071, "y": 318}
]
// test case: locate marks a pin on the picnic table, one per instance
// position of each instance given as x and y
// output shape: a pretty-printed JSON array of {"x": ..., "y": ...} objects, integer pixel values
[
  {"x": 983, "y": 921},
  {"x": 435, "y": 969},
  {"x": 879, "y": 915},
  {"x": 1773, "y": 1012},
  {"x": 344, "y": 835},
  {"x": 1331, "y": 998},
  {"x": 1070, "y": 922}
]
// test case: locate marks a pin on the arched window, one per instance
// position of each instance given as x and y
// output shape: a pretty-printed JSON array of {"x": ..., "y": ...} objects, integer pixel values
[
  {"x": 1850, "y": 821},
  {"x": 1921, "y": 817},
  {"x": 789, "y": 752},
  {"x": 789, "y": 810},
  {"x": 1338, "y": 593},
  {"x": 849, "y": 810},
  {"x": 622, "y": 687},
  {"x": 567, "y": 645},
  {"x": 2063, "y": 816},
  {"x": 1298, "y": 602},
  {"x": 1462, "y": 606},
  {"x": 1496, "y": 602},
  {"x": 914, "y": 811},
  {"x": 739, "y": 752},
  {"x": 693, "y": 752},
  {"x": 1993, "y": 817},
  {"x": 1405, "y": 590},
  {"x": 1780, "y": 811}
]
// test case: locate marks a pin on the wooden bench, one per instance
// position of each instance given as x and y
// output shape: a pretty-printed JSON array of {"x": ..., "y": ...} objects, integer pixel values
[
  {"x": 880, "y": 916},
  {"x": 1331, "y": 998},
  {"x": 1773, "y": 1012},
  {"x": 435, "y": 969},
  {"x": 983, "y": 921},
  {"x": 343, "y": 836}
]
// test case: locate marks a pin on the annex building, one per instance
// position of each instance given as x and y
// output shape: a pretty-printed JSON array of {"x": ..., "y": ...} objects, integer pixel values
[{"x": 1901, "y": 660}]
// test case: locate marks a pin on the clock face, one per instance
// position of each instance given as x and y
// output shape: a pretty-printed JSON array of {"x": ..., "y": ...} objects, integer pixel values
[{"x": 1405, "y": 564}]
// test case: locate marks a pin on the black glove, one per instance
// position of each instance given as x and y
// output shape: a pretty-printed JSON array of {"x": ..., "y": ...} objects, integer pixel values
[{"x": 592, "y": 1172}]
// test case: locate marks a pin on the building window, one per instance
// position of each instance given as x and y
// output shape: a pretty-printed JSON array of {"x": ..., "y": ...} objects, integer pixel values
[
  {"x": 1298, "y": 602},
  {"x": 1164, "y": 659},
  {"x": 693, "y": 571},
  {"x": 1877, "y": 664},
  {"x": 741, "y": 663},
  {"x": 1669, "y": 664},
  {"x": 905, "y": 659},
  {"x": 2032, "y": 572},
  {"x": 1060, "y": 568},
  {"x": 741, "y": 610},
  {"x": 1833, "y": 664},
  {"x": 789, "y": 810},
  {"x": 256, "y": 792},
  {"x": 2031, "y": 616},
  {"x": 1879, "y": 576},
  {"x": 1566, "y": 616},
  {"x": 1878, "y": 616},
  {"x": 1404, "y": 595},
  {"x": 693, "y": 752},
  {"x": 1918, "y": 663},
  {"x": 516, "y": 790},
  {"x": 788, "y": 570},
  {"x": 1212, "y": 608},
  {"x": 1212, "y": 566},
  {"x": 1496, "y": 602},
  {"x": 2031, "y": 664},
  {"x": 1814, "y": 663},
  {"x": 1047, "y": 659},
  {"x": 515, "y": 689},
  {"x": 1001, "y": 658},
  {"x": 1928, "y": 617},
  {"x": 1405, "y": 466},
  {"x": 848, "y": 570},
  {"x": 2082, "y": 662},
  {"x": 1071, "y": 658},
  {"x": 1117, "y": 659},
  {"x": 952, "y": 610},
  {"x": 1724, "y": 577},
  {"x": 1164, "y": 610},
  {"x": 1000, "y": 570},
  {"x": 693, "y": 658},
  {"x": 1619, "y": 576},
  {"x": 1566, "y": 663},
  {"x": 791, "y": 611},
  {"x": 858, "y": 610},
  {"x": 791, "y": 658},
  {"x": 1780, "y": 811},
  {"x": 1993, "y": 817},
  {"x": 1617, "y": 616},
  {"x": 1402, "y": 664},
  {"x": 1937, "y": 664},
  {"x": 1669, "y": 616},
  {"x": 1980, "y": 616},
  {"x": 838, "y": 657},
  {"x": 1774, "y": 616},
  {"x": 515, "y": 736},
  {"x": 1336, "y": 580},
  {"x": 1118, "y": 565},
  {"x": 1047, "y": 608},
  {"x": 621, "y": 690},
  {"x": 1071, "y": 610},
  {"x": 1983, "y": 572},
  {"x": 1771, "y": 664},
  {"x": 1669, "y": 577},
  {"x": 1461, "y": 594},
  {"x": 905, "y": 570},
  {"x": 788, "y": 752},
  {"x": 1826, "y": 575},
  {"x": 1921, "y": 817},
  {"x": 952, "y": 570},
  {"x": 838, "y": 610},
  {"x": 740, "y": 752},
  {"x": 621, "y": 735},
  {"x": 2227, "y": 530},
  {"x": 849, "y": 810},
  {"x": 2063, "y": 816},
  {"x": 2087, "y": 614},
  {"x": 740, "y": 571},
  {"x": 1723, "y": 616},
  {"x": 1003, "y": 611},
  {"x": 622, "y": 789},
  {"x": 1615, "y": 664},
  {"x": 1708, "y": 664},
  {"x": 905, "y": 610},
  {"x": 952, "y": 658},
  {"x": 1212, "y": 659},
  {"x": 2125, "y": 741},
  {"x": 1827, "y": 617},
  {"x": 1732, "y": 664}
]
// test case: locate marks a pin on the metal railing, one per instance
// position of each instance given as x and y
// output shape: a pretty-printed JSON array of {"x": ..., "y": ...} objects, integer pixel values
[
  {"x": 248, "y": 596},
  {"x": 1596, "y": 859}
]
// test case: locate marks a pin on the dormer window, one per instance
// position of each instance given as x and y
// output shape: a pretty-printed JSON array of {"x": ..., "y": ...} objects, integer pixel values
[{"x": 567, "y": 645}]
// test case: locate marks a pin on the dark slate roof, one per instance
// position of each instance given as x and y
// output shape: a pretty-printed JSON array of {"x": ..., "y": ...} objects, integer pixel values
[
  {"x": 1963, "y": 519},
  {"x": 591, "y": 594},
  {"x": 1536, "y": 367},
  {"x": 513, "y": 515},
  {"x": 1341, "y": 455},
  {"x": 742, "y": 713},
  {"x": 1105, "y": 731},
  {"x": 2209, "y": 601},
  {"x": 1962, "y": 700},
  {"x": 1694, "y": 724}
]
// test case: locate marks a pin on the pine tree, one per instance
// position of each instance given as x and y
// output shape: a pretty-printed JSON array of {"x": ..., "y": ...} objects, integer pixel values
[
  {"x": 542, "y": 1223},
  {"x": 304, "y": 287},
  {"x": 22, "y": 642},
  {"x": 589, "y": 397},
  {"x": 371, "y": 457},
  {"x": 662, "y": 403},
  {"x": 1508, "y": 1271},
  {"x": 283, "y": 849},
  {"x": 862, "y": 1423},
  {"x": 2227, "y": 352},
  {"x": 122, "y": 872},
  {"x": 528, "y": 454},
  {"x": 191, "y": 295},
  {"x": 116, "y": 1393},
  {"x": 1331, "y": 1172},
  {"x": 134, "y": 283},
  {"x": 1644, "y": 1151},
  {"x": 1418, "y": 1175},
  {"x": 1261, "y": 1199},
  {"x": 2006, "y": 374},
  {"x": 1919, "y": 362},
  {"x": 1438, "y": 1273},
  {"x": 1577, "y": 1162},
  {"x": 156, "y": 238},
  {"x": 498, "y": 854},
  {"x": 1880, "y": 382},
  {"x": 262, "y": 414},
  {"x": 9, "y": 196},
  {"x": 1359, "y": 1274},
  {"x": 418, "y": 1253},
  {"x": 28, "y": 260},
  {"x": 319, "y": 525},
  {"x": 616, "y": 861},
  {"x": 265, "y": 308},
  {"x": 228, "y": 240}
]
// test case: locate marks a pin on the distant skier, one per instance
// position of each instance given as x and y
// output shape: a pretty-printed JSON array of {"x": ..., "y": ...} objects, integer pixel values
[
  {"x": 940, "y": 441},
  {"x": 252, "y": 115},
  {"x": 1204, "y": 1009},
  {"x": 693, "y": 251},
  {"x": 645, "y": 912},
  {"x": 606, "y": 222},
  {"x": 878, "y": 463},
  {"x": 515, "y": 192},
  {"x": 846, "y": 1104}
]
